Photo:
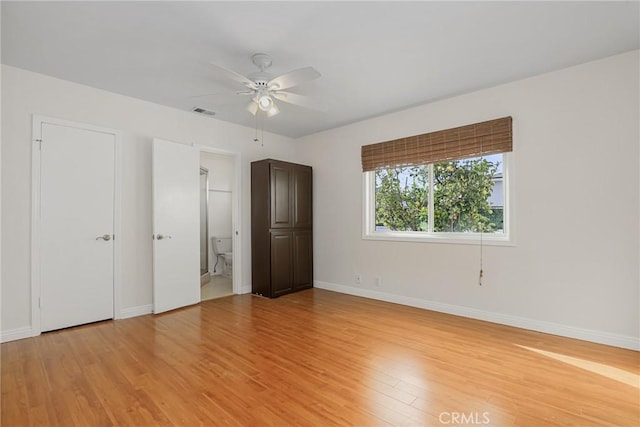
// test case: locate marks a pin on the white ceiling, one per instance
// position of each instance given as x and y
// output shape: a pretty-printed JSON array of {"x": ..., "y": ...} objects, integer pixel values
[{"x": 374, "y": 57}]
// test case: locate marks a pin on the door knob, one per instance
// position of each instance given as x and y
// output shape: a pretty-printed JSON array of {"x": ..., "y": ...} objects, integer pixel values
[
  {"x": 162, "y": 236},
  {"x": 104, "y": 237}
]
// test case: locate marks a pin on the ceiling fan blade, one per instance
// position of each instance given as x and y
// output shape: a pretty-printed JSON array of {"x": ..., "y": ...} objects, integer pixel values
[
  {"x": 293, "y": 78},
  {"x": 295, "y": 99},
  {"x": 231, "y": 75}
]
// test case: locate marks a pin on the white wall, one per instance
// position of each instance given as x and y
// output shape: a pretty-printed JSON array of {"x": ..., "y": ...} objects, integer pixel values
[
  {"x": 0, "y": 185},
  {"x": 25, "y": 93},
  {"x": 574, "y": 268},
  {"x": 573, "y": 271},
  {"x": 221, "y": 173}
]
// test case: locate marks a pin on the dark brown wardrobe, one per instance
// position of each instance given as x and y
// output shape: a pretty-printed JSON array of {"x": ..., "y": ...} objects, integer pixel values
[{"x": 281, "y": 228}]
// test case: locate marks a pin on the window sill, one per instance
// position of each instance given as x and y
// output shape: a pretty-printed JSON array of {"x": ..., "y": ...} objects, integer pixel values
[{"x": 448, "y": 238}]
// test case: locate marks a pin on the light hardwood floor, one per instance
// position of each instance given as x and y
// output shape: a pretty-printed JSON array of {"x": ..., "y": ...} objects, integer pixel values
[{"x": 313, "y": 358}]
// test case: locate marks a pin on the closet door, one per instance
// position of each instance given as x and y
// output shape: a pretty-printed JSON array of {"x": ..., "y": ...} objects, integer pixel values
[{"x": 76, "y": 247}]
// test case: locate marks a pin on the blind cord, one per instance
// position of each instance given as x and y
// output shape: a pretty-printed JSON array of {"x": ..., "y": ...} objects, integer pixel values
[{"x": 481, "y": 272}]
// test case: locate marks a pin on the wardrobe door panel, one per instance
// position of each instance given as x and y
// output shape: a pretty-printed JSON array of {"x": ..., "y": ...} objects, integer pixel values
[
  {"x": 281, "y": 262},
  {"x": 302, "y": 259},
  {"x": 281, "y": 196},
  {"x": 302, "y": 209}
]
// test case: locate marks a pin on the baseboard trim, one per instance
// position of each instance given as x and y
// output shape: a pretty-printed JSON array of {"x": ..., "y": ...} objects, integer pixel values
[
  {"x": 140, "y": 310},
  {"x": 17, "y": 334},
  {"x": 27, "y": 331},
  {"x": 615, "y": 340}
]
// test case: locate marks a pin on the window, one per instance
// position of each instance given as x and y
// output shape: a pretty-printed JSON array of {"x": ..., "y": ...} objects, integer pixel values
[
  {"x": 447, "y": 200},
  {"x": 443, "y": 186}
]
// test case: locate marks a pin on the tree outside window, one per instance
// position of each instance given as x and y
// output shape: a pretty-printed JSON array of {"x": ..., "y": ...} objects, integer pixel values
[{"x": 459, "y": 193}]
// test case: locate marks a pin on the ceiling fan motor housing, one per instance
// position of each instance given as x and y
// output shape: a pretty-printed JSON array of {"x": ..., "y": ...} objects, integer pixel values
[{"x": 260, "y": 78}]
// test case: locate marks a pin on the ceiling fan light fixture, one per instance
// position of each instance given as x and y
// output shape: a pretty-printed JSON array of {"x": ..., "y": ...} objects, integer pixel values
[
  {"x": 265, "y": 102},
  {"x": 252, "y": 107},
  {"x": 273, "y": 110}
]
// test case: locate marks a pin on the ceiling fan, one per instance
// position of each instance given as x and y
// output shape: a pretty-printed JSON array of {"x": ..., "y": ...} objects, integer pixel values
[{"x": 264, "y": 89}]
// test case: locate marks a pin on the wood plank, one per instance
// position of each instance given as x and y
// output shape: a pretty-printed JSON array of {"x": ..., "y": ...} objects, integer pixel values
[{"x": 333, "y": 359}]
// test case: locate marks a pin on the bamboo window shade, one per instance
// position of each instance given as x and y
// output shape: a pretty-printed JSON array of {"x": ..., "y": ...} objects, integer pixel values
[{"x": 490, "y": 137}]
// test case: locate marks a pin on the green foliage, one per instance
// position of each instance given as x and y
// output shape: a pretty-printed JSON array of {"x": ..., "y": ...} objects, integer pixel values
[
  {"x": 402, "y": 198},
  {"x": 461, "y": 192},
  {"x": 497, "y": 218},
  {"x": 460, "y": 195}
]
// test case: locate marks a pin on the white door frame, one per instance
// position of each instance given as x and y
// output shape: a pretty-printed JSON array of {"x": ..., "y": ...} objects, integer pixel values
[
  {"x": 37, "y": 122},
  {"x": 236, "y": 205}
]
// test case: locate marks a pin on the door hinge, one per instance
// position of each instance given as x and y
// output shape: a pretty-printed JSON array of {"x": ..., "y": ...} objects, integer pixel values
[
  {"x": 39, "y": 302},
  {"x": 39, "y": 142}
]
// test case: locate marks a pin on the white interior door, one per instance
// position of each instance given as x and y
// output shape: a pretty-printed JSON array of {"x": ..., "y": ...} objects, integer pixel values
[
  {"x": 176, "y": 225},
  {"x": 77, "y": 172}
]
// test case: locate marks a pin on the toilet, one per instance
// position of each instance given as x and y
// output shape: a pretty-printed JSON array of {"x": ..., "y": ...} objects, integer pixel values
[{"x": 222, "y": 248}]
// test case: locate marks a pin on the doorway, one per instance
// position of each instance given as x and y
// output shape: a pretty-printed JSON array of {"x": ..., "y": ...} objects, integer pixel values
[{"x": 217, "y": 183}]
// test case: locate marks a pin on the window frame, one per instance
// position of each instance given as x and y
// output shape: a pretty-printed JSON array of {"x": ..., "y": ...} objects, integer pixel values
[{"x": 507, "y": 238}]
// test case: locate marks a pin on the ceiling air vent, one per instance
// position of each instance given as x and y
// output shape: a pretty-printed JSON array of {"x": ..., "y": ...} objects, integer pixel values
[{"x": 200, "y": 110}]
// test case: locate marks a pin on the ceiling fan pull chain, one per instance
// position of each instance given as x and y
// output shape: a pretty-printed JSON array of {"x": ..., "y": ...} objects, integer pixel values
[
  {"x": 262, "y": 130},
  {"x": 256, "y": 137}
]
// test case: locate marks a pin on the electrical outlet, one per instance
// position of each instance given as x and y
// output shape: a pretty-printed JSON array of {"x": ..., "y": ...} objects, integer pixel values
[
  {"x": 378, "y": 281},
  {"x": 358, "y": 279}
]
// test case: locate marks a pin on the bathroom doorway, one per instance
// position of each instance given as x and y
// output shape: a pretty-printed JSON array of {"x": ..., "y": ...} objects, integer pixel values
[{"x": 217, "y": 177}]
